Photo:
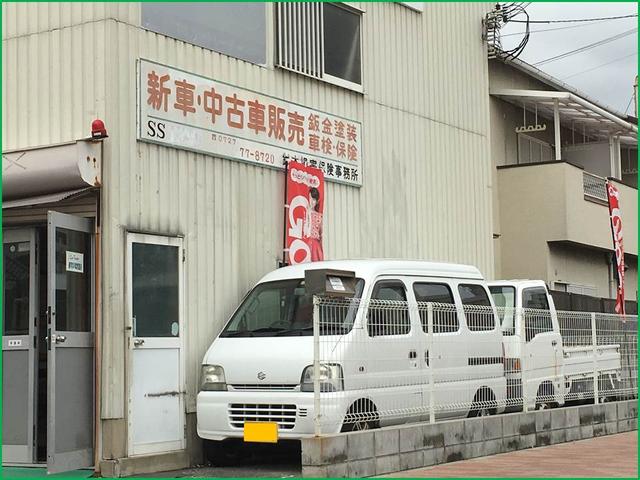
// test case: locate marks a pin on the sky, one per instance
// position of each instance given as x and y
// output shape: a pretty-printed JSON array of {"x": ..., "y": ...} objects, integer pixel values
[{"x": 610, "y": 84}]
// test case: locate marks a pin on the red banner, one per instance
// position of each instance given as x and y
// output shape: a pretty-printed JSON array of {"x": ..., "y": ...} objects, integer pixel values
[
  {"x": 616, "y": 229},
  {"x": 305, "y": 204}
]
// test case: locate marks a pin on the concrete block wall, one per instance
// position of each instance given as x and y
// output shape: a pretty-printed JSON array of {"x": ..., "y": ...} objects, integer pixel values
[{"x": 393, "y": 449}]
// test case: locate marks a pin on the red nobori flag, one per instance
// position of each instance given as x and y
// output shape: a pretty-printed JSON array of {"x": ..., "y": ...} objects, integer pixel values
[
  {"x": 613, "y": 195},
  {"x": 305, "y": 204}
]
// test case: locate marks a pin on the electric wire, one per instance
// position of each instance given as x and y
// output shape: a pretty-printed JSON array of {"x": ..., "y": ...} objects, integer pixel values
[
  {"x": 600, "y": 66},
  {"x": 557, "y": 28},
  {"x": 596, "y": 19},
  {"x": 587, "y": 47},
  {"x": 509, "y": 12}
]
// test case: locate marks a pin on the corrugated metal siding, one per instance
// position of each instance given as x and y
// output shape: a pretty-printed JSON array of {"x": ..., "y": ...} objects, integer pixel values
[{"x": 426, "y": 191}]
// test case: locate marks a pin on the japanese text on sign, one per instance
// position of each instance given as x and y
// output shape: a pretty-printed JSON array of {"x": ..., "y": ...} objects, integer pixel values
[{"x": 185, "y": 110}]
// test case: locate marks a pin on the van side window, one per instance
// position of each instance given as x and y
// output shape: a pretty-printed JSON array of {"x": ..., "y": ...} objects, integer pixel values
[
  {"x": 386, "y": 317},
  {"x": 504, "y": 298},
  {"x": 537, "y": 317},
  {"x": 478, "y": 319},
  {"x": 445, "y": 319}
]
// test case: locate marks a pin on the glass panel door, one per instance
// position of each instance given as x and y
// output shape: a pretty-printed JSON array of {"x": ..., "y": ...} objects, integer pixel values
[
  {"x": 19, "y": 283},
  {"x": 70, "y": 341}
]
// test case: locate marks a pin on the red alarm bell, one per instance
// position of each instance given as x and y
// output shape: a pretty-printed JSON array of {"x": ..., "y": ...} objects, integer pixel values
[{"x": 98, "y": 129}]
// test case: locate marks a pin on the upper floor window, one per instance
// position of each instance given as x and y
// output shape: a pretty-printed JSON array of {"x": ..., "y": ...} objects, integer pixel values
[
  {"x": 533, "y": 150},
  {"x": 235, "y": 29},
  {"x": 321, "y": 40}
]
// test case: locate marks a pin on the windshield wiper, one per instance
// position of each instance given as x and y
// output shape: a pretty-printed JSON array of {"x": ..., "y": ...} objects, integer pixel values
[
  {"x": 267, "y": 329},
  {"x": 251, "y": 333},
  {"x": 243, "y": 333},
  {"x": 294, "y": 331}
]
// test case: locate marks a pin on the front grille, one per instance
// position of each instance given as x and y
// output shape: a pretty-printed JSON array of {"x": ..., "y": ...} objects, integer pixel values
[
  {"x": 283, "y": 415},
  {"x": 262, "y": 386}
]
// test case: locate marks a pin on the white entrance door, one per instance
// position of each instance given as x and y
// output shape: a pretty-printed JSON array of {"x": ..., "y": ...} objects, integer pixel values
[{"x": 155, "y": 339}]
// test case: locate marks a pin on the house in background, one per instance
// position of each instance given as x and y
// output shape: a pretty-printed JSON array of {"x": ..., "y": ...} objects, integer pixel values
[{"x": 553, "y": 148}]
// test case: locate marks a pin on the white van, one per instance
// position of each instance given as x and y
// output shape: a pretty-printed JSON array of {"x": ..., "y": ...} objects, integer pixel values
[{"x": 259, "y": 368}]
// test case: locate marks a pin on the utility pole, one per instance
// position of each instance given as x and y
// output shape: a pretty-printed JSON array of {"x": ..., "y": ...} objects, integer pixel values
[{"x": 635, "y": 97}]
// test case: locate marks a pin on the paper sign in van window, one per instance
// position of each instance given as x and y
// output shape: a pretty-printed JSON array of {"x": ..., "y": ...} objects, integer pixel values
[
  {"x": 75, "y": 262},
  {"x": 336, "y": 284}
]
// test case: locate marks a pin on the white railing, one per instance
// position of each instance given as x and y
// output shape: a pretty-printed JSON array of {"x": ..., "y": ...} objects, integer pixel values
[
  {"x": 386, "y": 362},
  {"x": 594, "y": 187}
]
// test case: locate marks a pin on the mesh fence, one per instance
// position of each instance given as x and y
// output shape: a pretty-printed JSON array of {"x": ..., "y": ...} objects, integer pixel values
[{"x": 380, "y": 362}]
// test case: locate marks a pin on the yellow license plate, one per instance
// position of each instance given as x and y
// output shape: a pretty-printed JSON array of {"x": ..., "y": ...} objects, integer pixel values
[{"x": 262, "y": 432}]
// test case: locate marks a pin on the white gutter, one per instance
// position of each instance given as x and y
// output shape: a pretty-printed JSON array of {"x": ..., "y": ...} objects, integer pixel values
[
  {"x": 604, "y": 113},
  {"x": 567, "y": 96},
  {"x": 556, "y": 83}
]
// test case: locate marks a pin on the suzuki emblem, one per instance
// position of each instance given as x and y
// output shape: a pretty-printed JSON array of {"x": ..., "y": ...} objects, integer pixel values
[{"x": 262, "y": 375}]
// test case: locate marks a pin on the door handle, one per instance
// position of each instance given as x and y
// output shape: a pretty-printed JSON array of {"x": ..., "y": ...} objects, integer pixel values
[
  {"x": 426, "y": 357},
  {"x": 59, "y": 338},
  {"x": 138, "y": 342},
  {"x": 554, "y": 342},
  {"x": 412, "y": 354}
]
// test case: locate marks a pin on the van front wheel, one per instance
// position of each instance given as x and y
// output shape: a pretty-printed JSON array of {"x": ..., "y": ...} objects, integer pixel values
[{"x": 362, "y": 415}]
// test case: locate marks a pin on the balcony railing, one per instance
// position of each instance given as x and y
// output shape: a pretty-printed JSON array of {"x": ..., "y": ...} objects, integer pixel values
[{"x": 594, "y": 187}]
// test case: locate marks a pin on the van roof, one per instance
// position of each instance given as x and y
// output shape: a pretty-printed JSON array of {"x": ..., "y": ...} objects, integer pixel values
[
  {"x": 521, "y": 282},
  {"x": 371, "y": 268}
]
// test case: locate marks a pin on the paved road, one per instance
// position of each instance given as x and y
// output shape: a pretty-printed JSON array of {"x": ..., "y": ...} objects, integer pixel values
[{"x": 609, "y": 456}]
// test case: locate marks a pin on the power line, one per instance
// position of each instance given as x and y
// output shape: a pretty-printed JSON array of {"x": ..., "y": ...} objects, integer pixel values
[
  {"x": 587, "y": 47},
  {"x": 600, "y": 66},
  {"x": 596, "y": 19},
  {"x": 554, "y": 29}
]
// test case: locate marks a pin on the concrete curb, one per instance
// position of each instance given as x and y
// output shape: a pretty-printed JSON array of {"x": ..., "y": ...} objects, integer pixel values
[{"x": 397, "y": 448}]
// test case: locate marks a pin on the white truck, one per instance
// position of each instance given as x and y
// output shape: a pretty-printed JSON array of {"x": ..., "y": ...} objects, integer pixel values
[{"x": 554, "y": 358}]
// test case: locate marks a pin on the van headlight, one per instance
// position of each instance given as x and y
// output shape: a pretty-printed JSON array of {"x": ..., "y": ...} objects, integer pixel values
[
  {"x": 331, "y": 378},
  {"x": 212, "y": 378}
]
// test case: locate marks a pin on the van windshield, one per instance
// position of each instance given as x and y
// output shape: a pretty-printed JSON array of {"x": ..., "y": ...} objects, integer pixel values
[
  {"x": 504, "y": 298},
  {"x": 284, "y": 308}
]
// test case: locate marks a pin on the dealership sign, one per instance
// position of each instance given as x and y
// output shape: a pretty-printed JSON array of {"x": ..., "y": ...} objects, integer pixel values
[
  {"x": 304, "y": 210},
  {"x": 188, "y": 111}
]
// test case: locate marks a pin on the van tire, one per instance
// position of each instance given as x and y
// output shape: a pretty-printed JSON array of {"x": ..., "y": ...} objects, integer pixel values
[
  {"x": 362, "y": 415},
  {"x": 545, "y": 390},
  {"x": 221, "y": 453},
  {"x": 484, "y": 403}
]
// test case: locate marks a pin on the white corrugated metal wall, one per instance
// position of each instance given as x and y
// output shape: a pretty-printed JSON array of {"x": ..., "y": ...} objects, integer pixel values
[{"x": 426, "y": 168}]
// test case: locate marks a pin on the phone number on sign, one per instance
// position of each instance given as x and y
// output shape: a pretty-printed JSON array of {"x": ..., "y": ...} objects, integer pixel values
[{"x": 258, "y": 155}]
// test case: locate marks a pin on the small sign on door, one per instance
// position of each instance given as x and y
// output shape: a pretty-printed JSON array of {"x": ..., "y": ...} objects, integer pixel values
[{"x": 75, "y": 262}]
